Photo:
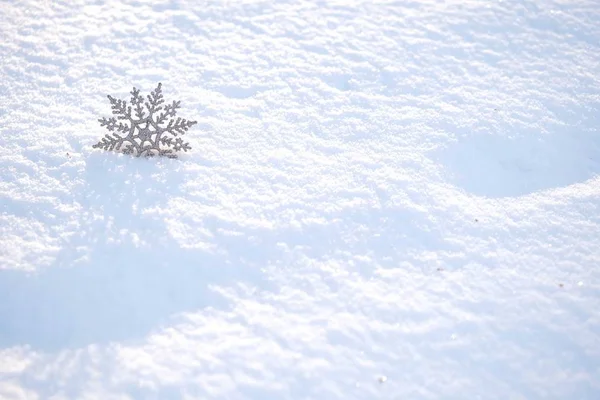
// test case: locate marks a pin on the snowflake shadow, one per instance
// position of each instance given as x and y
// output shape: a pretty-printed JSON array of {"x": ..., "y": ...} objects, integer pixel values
[{"x": 122, "y": 275}]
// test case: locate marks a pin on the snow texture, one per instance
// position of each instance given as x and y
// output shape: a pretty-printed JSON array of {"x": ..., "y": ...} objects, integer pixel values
[
  {"x": 386, "y": 200},
  {"x": 144, "y": 130}
]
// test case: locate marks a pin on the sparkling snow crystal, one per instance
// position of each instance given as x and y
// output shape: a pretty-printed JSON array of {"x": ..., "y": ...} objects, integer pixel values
[{"x": 144, "y": 132}]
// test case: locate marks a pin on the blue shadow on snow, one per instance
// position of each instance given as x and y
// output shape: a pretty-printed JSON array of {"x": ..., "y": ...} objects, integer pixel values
[{"x": 99, "y": 290}]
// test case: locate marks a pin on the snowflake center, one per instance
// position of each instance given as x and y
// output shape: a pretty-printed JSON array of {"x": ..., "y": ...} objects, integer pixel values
[{"x": 145, "y": 132}]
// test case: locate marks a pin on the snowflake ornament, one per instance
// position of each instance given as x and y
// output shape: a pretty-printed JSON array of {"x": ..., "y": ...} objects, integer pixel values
[{"x": 144, "y": 133}]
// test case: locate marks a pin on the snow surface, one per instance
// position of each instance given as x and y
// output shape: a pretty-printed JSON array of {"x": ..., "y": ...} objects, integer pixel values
[{"x": 384, "y": 200}]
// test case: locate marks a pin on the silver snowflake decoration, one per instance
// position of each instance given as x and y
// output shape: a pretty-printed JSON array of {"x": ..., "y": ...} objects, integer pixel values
[{"x": 144, "y": 134}]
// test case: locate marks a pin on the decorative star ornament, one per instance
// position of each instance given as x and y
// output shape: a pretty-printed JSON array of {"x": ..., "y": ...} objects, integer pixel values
[{"x": 146, "y": 133}]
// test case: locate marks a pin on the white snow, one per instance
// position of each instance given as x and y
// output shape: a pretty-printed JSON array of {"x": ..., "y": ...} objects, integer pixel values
[{"x": 384, "y": 200}]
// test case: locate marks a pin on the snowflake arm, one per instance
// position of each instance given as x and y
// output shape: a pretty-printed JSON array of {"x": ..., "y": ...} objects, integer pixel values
[
  {"x": 178, "y": 144},
  {"x": 155, "y": 99},
  {"x": 137, "y": 101},
  {"x": 111, "y": 124},
  {"x": 170, "y": 111},
  {"x": 120, "y": 108},
  {"x": 179, "y": 127},
  {"x": 110, "y": 143}
]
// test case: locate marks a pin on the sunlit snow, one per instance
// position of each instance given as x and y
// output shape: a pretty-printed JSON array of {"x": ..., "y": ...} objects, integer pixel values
[{"x": 384, "y": 200}]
